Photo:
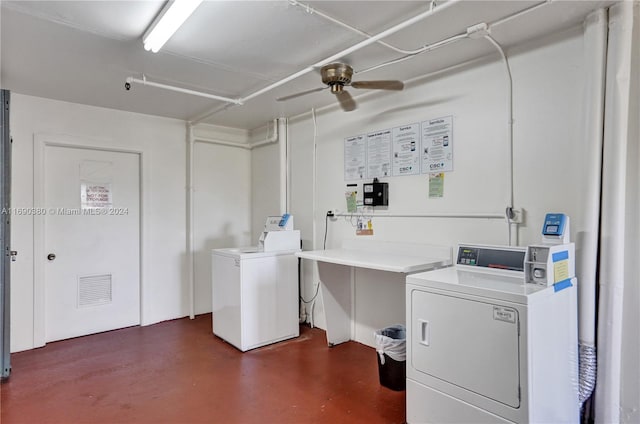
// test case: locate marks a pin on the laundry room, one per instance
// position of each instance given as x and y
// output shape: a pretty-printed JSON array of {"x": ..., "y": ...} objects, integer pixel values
[{"x": 290, "y": 169}]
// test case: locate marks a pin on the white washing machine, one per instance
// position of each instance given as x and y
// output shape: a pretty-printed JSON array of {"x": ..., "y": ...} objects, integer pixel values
[
  {"x": 255, "y": 289},
  {"x": 483, "y": 346},
  {"x": 255, "y": 296}
]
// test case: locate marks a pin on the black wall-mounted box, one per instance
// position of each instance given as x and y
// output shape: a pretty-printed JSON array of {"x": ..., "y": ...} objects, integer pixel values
[{"x": 376, "y": 194}]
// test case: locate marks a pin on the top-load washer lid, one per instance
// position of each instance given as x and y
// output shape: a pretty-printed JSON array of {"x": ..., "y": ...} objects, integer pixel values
[{"x": 250, "y": 252}]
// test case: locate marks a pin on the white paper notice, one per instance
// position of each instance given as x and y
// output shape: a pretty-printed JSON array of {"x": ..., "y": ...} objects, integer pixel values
[
  {"x": 437, "y": 145},
  {"x": 96, "y": 195},
  {"x": 379, "y": 154},
  {"x": 355, "y": 158},
  {"x": 406, "y": 153}
]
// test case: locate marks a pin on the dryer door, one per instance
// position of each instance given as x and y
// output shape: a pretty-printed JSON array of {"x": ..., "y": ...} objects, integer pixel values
[{"x": 470, "y": 343}]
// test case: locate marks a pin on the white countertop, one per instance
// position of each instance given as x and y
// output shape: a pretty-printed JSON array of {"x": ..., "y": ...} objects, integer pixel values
[{"x": 379, "y": 260}]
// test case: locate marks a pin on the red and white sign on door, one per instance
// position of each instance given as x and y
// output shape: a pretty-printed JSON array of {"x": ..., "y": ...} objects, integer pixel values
[{"x": 96, "y": 196}]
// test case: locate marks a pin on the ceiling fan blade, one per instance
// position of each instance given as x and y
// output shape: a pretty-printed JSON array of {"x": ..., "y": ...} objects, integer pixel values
[
  {"x": 302, "y": 93},
  {"x": 346, "y": 101},
  {"x": 379, "y": 85}
]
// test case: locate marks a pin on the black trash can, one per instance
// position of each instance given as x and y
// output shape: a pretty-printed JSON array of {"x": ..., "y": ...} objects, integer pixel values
[{"x": 392, "y": 354}]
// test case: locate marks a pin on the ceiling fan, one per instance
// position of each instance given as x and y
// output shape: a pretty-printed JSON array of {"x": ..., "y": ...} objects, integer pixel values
[{"x": 336, "y": 76}]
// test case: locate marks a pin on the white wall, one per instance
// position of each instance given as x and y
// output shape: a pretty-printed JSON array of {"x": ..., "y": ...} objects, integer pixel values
[
  {"x": 162, "y": 143},
  {"x": 265, "y": 186},
  {"x": 548, "y": 87},
  {"x": 222, "y": 209}
]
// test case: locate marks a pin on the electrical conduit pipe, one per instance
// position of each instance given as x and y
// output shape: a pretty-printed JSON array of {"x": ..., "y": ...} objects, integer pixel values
[{"x": 189, "y": 240}]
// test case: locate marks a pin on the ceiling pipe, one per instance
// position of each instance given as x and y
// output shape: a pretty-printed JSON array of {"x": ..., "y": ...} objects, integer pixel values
[
  {"x": 269, "y": 139},
  {"x": 442, "y": 43},
  {"x": 145, "y": 81},
  {"x": 313, "y": 11},
  {"x": 215, "y": 141},
  {"x": 409, "y": 53},
  {"x": 520, "y": 13},
  {"x": 428, "y": 48},
  {"x": 370, "y": 40},
  {"x": 351, "y": 49},
  {"x": 337, "y": 56},
  {"x": 374, "y": 39}
]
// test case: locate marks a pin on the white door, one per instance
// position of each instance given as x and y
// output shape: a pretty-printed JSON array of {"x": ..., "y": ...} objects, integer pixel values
[{"x": 92, "y": 241}]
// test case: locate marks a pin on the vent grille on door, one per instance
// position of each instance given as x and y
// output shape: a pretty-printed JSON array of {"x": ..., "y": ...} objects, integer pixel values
[{"x": 94, "y": 290}]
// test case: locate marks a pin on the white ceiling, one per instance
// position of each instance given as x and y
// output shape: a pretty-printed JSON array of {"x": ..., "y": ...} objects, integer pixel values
[{"x": 83, "y": 51}]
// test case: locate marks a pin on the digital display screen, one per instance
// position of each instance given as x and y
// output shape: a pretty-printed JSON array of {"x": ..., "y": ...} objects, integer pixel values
[
  {"x": 512, "y": 260},
  {"x": 467, "y": 256},
  {"x": 552, "y": 229}
]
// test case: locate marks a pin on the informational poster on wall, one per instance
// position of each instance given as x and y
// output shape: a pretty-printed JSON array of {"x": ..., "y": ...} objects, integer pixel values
[
  {"x": 379, "y": 154},
  {"x": 410, "y": 149},
  {"x": 437, "y": 145},
  {"x": 95, "y": 195},
  {"x": 406, "y": 153},
  {"x": 355, "y": 164}
]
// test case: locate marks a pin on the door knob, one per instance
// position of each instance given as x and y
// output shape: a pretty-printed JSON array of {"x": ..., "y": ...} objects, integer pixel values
[{"x": 51, "y": 256}]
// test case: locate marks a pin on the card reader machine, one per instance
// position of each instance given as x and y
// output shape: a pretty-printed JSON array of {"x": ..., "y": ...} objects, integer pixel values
[
  {"x": 552, "y": 262},
  {"x": 556, "y": 227},
  {"x": 284, "y": 220}
]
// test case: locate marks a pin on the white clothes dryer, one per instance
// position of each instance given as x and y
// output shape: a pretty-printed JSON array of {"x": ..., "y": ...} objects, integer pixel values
[{"x": 484, "y": 347}]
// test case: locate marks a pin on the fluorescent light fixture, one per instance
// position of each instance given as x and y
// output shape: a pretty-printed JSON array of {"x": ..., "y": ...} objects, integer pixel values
[{"x": 167, "y": 23}]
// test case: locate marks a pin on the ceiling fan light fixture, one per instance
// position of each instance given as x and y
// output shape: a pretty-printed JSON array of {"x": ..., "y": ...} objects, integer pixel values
[
  {"x": 172, "y": 16},
  {"x": 336, "y": 73}
]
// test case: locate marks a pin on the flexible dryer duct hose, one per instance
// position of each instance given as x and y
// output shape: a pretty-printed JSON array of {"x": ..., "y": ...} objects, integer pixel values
[{"x": 587, "y": 373}]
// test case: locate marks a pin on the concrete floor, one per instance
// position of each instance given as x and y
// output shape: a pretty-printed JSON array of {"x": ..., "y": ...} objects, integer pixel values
[{"x": 179, "y": 372}]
